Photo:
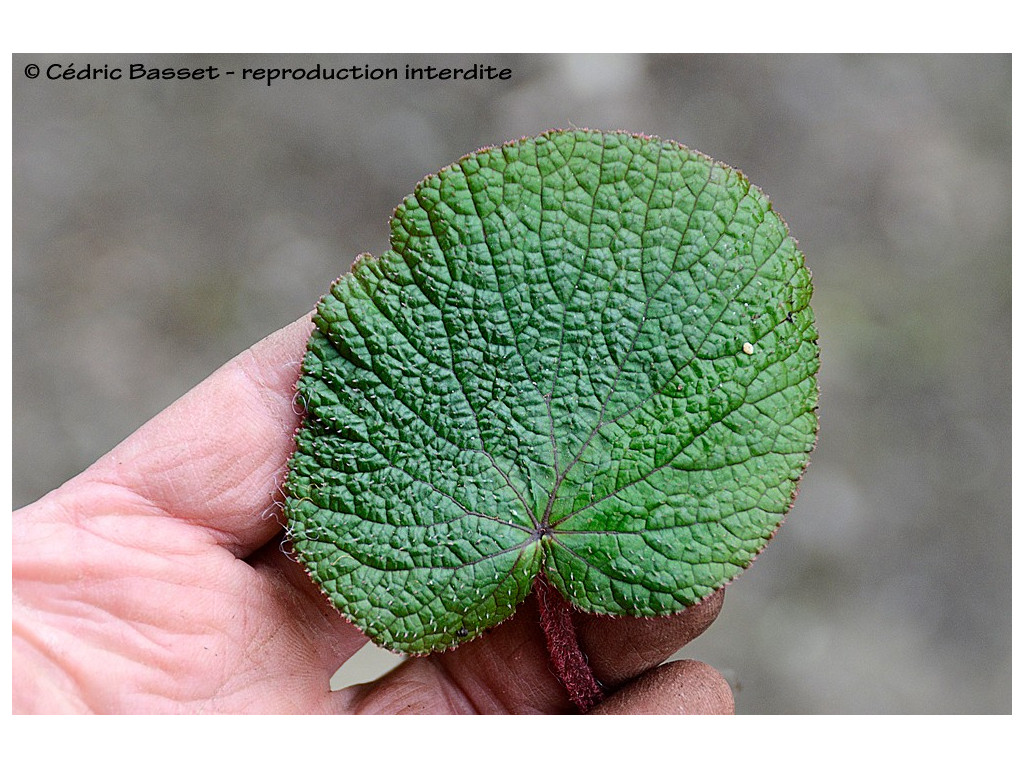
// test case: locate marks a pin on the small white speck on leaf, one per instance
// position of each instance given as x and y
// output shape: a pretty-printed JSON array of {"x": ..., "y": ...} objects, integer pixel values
[{"x": 748, "y": 348}]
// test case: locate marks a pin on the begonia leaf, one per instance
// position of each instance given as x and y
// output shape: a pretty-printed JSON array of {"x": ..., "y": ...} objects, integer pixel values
[{"x": 588, "y": 357}]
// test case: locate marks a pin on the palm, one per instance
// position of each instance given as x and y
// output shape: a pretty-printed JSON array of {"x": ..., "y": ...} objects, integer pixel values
[{"x": 155, "y": 582}]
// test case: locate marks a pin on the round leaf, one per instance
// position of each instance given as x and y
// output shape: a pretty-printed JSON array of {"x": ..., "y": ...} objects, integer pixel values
[{"x": 588, "y": 356}]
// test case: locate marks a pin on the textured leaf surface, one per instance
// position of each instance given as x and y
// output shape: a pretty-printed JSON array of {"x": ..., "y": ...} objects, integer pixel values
[{"x": 588, "y": 355}]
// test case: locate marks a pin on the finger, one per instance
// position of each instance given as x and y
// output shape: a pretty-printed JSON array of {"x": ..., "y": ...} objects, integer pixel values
[
  {"x": 505, "y": 671},
  {"x": 309, "y": 628},
  {"x": 216, "y": 457},
  {"x": 620, "y": 648},
  {"x": 679, "y": 688},
  {"x": 508, "y": 670}
]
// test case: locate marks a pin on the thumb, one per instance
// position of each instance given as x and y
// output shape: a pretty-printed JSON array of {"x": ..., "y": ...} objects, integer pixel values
[{"x": 679, "y": 688}]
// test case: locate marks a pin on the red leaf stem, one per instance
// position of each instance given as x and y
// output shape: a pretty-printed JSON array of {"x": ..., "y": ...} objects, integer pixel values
[{"x": 571, "y": 666}]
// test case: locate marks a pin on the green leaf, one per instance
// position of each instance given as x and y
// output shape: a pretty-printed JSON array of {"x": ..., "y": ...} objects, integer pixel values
[{"x": 587, "y": 355}]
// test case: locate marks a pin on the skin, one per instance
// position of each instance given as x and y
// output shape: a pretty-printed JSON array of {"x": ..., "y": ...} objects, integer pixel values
[{"x": 156, "y": 582}]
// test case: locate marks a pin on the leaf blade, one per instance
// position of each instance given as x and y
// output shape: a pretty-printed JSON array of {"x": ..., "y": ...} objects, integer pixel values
[{"x": 587, "y": 354}]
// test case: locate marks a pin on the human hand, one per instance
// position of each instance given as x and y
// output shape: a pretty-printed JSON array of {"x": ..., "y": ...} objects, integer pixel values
[{"x": 155, "y": 581}]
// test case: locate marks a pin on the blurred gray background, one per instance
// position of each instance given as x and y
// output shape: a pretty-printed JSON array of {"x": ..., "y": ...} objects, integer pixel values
[{"x": 161, "y": 228}]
